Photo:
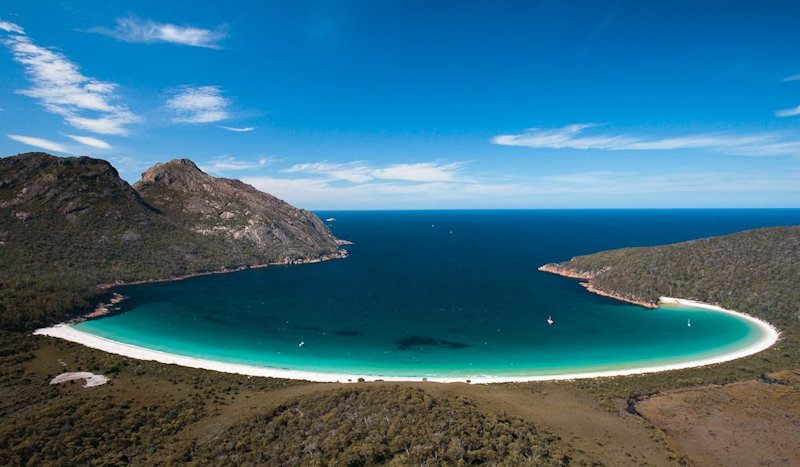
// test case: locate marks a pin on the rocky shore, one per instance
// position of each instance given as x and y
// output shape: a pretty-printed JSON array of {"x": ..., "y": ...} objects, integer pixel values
[
  {"x": 104, "y": 308},
  {"x": 586, "y": 277},
  {"x": 555, "y": 268},
  {"x": 339, "y": 254}
]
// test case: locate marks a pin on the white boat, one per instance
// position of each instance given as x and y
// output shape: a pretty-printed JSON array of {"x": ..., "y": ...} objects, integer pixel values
[
  {"x": 689, "y": 323},
  {"x": 302, "y": 343},
  {"x": 330, "y": 219},
  {"x": 550, "y": 320}
]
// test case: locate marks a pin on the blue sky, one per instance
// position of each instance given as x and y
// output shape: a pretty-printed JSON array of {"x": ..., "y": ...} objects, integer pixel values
[{"x": 361, "y": 105}]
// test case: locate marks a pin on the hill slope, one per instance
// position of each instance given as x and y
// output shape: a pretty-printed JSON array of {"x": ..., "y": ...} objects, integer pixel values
[
  {"x": 235, "y": 212},
  {"x": 754, "y": 271},
  {"x": 68, "y": 224}
]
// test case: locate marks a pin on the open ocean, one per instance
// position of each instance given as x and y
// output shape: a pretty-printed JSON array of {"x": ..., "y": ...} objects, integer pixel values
[{"x": 441, "y": 293}]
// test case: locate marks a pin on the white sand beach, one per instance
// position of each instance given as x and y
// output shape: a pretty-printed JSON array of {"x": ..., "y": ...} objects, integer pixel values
[{"x": 768, "y": 336}]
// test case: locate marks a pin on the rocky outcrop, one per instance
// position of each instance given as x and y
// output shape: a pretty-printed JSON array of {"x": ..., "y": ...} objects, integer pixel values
[
  {"x": 70, "y": 224},
  {"x": 234, "y": 211},
  {"x": 566, "y": 270},
  {"x": 39, "y": 185}
]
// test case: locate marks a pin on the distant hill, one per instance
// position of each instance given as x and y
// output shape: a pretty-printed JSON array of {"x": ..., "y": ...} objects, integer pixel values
[
  {"x": 755, "y": 271},
  {"x": 69, "y": 224}
]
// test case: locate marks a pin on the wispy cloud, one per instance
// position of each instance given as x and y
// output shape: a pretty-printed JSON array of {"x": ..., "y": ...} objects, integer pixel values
[
  {"x": 604, "y": 188},
  {"x": 11, "y": 27},
  {"x": 792, "y": 78},
  {"x": 90, "y": 141},
  {"x": 199, "y": 104},
  {"x": 354, "y": 172},
  {"x": 611, "y": 182},
  {"x": 133, "y": 29},
  {"x": 575, "y": 137},
  {"x": 238, "y": 129},
  {"x": 60, "y": 87},
  {"x": 361, "y": 172},
  {"x": 790, "y": 112},
  {"x": 421, "y": 172},
  {"x": 38, "y": 143},
  {"x": 229, "y": 164}
]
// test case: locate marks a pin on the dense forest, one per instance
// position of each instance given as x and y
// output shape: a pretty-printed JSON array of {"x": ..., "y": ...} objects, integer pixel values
[
  {"x": 378, "y": 425},
  {"x": 755, "y": 271}
]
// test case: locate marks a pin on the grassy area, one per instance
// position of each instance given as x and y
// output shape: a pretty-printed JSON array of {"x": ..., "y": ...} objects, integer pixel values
[{"x": 754, "y": 271}]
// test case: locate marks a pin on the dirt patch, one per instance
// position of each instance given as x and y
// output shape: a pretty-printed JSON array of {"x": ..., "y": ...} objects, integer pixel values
[
  {"x": 592, "y": 432},
  {"x": 756, "y": 421}
]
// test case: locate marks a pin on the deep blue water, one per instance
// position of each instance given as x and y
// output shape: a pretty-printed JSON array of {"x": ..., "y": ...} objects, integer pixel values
[{"x": 441, "y": 293}]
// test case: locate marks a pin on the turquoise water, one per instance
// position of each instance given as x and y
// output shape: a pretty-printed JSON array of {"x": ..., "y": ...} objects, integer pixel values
[{"x": 441, "y": 293}]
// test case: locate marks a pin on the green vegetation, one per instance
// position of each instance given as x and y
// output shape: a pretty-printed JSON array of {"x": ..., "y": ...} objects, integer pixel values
[
  {"x": 70, "y": 224},
  {"x": 754, "y": 271},
  {"x": 139, "y": 416},
  {"x": 394, "y": 424},
  {"x": 67, "y": 225},
  {"x": 151, "y": 413}
]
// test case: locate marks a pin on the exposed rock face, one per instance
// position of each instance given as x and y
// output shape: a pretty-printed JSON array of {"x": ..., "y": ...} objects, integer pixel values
[
  {"x": 38, "y": 185},
  {"x": 69, "y": 225},
  {"x": 77, "y": 217},
  {"x": 234, "y": 211}
]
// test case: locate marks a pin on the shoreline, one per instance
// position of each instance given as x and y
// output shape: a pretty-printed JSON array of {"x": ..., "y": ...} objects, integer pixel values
[
  {"x": 586, "y": 277},
  {"x": 340, "y": 254},
  {"x": 769, "y": 335}
]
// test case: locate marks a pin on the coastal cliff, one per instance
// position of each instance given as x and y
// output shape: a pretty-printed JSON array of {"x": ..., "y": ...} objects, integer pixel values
[{"x": 71, "y": 224}]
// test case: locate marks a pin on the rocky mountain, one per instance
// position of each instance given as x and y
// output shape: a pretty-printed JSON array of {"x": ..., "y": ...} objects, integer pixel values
[
  {"x": 234, "y": 211},
  {"x": 69, "y": 224}
]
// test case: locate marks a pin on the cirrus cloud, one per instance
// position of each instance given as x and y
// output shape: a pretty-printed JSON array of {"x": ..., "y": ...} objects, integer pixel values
[
  {"x": 238, "y": 129},
  {"x": 575, "y": 137},
  {"x": 361, "y": 172},
  {"x": 790, "y": 112},
  {"x": 58, "y": 84},
  {"x": 40, "y": 143},
  {"x": 133, "y": 29},
  {"x": 229, "y": 163},
  {"x": 90, "y": 141}
]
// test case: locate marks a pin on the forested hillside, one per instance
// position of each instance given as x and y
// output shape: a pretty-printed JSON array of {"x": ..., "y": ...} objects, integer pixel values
[{"x": 70, "y": 224}]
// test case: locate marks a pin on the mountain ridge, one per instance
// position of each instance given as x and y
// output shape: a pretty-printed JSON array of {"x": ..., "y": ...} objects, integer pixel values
[{"x": 70, "y": 224}]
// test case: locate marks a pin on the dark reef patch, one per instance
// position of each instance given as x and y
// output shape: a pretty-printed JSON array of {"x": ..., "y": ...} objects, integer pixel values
[
  {"x": 410, "y": 342},
  {"x": 215, "y": 320}
]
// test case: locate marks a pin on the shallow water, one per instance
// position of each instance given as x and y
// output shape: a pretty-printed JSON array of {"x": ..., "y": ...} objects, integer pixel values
[{"x": 441, "y": 293}]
